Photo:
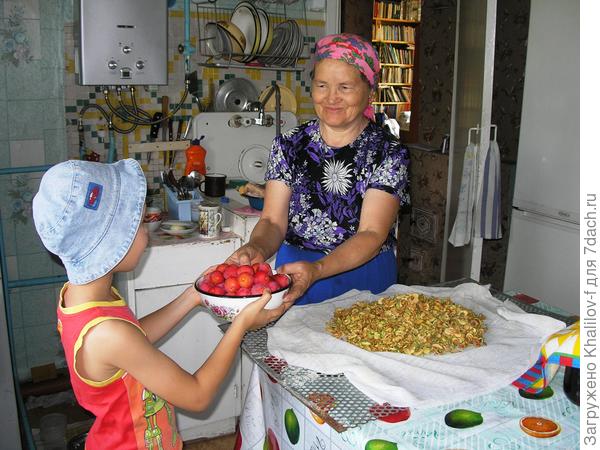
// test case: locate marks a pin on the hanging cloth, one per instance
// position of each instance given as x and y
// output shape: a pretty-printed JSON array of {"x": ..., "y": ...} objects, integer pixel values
[
  {"x": 487, "y": 222},
  {"x": 463, "y": 223}
]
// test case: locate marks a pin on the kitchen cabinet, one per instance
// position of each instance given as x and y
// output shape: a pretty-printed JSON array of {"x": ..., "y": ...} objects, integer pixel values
[
  {"x": 394, "y": 31},
  {"x": 167, "y": 267}
]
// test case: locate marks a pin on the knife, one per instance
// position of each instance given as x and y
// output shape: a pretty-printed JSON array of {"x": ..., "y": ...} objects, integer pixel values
[
  {"x": 165, "y": 112},
  {"x": 179, "y": 129},
  {"x": 163, "y": 125},
  {"x": 170, "y": 128},
  {"x": 154, "y": 132}
]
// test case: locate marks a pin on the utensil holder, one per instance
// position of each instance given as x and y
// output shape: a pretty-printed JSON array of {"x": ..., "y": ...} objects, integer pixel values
[{"x": 181, "y": 209}]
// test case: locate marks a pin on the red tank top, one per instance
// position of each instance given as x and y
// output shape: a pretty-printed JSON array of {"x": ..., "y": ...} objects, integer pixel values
[{"x": 127, "y": 415}]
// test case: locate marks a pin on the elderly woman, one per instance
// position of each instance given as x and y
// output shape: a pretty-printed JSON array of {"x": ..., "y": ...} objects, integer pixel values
[{"x": 334, "y": 185}]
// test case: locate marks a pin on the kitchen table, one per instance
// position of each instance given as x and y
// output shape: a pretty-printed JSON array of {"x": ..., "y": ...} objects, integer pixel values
[{"x": 289, "y": 407}]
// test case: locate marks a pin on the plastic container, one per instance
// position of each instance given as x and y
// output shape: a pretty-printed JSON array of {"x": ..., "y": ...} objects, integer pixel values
[
  {"x": 181, "y": 209},
  {"x": 53, "y": 431},
  {"x": 195, "y": 158}
]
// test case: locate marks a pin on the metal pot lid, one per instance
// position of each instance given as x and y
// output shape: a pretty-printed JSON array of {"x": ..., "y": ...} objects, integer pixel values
[
  {"x": 235, "y": 95},
  {"x": 253, "y": 163}
]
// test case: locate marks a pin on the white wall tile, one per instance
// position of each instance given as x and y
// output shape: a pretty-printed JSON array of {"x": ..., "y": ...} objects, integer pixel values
[
  {"x": 43, "y": 345},
  {"x": 38, "y": 306},
  {"x": 27, "y": 153},
  {"x": 12, "y": 267}
]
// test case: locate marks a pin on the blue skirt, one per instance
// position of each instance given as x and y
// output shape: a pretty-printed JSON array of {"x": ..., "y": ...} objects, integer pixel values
[{"x": 375, "y": 275}]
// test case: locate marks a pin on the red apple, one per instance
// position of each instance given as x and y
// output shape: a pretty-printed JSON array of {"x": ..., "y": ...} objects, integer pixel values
[
  {"x": 282, "y": 280},
  {"x": 222, "y": 267},
  {"x": 216, "y": 277},
  {"x": 245, "y": 269},
  {"x": 243, "y": 291},
  {"x": 217, "y": 290},
  {"x": 232, "y": 285},
  {"x": 205, "y": 286},
  {"x": 262, "y": 277},
  {"x": 230, "y": 272},
  {"x": 255, "y": 267},
  {"x": 245, "y": 279},
  {"x": 265, "y": 267},
  {"x": 257, "y": 289},
  {"x": 273, "y": 286}
]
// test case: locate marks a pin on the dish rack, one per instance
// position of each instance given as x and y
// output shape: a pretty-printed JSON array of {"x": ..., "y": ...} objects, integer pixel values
[{"x": 278, "y": 11}]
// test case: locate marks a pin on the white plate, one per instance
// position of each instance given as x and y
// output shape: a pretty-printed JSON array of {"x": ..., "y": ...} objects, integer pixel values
[
  {"x": 214, "y": 39},
  {"x": 266, "y": 31},
  {"x": 246, "y": 18},
  {"x": 178, "y": 227},
  {"x": 277, "y": 43}
]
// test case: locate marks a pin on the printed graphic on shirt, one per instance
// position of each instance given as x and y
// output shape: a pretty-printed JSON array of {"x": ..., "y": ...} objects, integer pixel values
[
  {"x": 153, "y": 418},
  {"x": 153, "y": 434},
  {"x": 337, "y": 177}
]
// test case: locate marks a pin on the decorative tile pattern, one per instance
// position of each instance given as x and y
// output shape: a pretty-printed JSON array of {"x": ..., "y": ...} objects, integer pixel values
[{"x": 20, "y": 35}]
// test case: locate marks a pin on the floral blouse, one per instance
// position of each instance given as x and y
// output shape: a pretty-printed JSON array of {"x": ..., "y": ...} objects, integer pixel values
[{"x": 328, "y": 184}]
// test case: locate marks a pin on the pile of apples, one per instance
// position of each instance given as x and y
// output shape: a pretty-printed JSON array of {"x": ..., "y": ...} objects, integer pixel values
[{"x": 231, "y": 280}]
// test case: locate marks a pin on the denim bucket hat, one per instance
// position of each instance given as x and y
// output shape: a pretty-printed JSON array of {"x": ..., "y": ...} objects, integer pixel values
[{"x": 88, "y": 214}]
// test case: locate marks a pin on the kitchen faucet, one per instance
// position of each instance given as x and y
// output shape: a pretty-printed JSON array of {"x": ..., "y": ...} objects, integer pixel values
[{"x": 263, "y": 120}]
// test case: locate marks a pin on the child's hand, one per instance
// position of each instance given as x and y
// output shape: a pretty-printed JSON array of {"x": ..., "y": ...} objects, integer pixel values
[
  {"x": 255, "y": 316},
  {"x": 196, "y": 296}
]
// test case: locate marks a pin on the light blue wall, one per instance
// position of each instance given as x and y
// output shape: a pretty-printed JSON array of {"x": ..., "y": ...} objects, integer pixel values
[{"x": 32, "y": 132}]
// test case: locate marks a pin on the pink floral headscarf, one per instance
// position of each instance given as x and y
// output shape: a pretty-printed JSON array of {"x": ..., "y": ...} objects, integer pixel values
[{"x": 357, "y": 52}]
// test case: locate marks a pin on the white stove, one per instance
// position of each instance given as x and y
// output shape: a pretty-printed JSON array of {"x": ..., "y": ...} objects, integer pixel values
[{"x": 237, "y": 150}]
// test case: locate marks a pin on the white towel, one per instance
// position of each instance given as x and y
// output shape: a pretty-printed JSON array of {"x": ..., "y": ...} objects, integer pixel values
[
  {"x": 463, "y": 223},
  {"x": 488, "y": 217},
  {"x": 512, "y": 347}
]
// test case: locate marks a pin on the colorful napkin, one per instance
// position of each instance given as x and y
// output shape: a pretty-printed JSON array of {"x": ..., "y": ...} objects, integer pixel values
[{"x": 560, "y": 349}]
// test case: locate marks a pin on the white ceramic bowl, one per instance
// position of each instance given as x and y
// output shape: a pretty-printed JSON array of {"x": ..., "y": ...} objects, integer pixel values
[
  {"x": 153, "y": 226},
  {"x": 227, "y": 307}
]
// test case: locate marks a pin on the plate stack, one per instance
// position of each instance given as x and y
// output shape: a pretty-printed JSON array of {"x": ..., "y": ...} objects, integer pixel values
[
  {"x": 287, "y": 45},
  {"x": 248, "y": 36}
]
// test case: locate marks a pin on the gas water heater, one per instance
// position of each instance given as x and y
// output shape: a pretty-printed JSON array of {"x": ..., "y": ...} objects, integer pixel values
[{"x": 122, "y": 42}]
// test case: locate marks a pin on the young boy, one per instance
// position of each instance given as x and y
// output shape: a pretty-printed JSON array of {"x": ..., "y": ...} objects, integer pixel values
[{"x": 90, "y": 215}]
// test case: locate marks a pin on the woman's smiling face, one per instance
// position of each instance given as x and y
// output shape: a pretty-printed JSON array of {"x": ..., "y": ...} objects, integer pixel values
[{"x": 340, "y": 94}]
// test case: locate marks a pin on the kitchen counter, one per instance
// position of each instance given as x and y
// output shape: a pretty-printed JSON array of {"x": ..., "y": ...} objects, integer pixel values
[{"x": 299, "y": 407}]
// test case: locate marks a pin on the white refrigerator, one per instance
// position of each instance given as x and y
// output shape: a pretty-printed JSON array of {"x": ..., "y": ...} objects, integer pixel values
[{"x": 543, "y": 249}]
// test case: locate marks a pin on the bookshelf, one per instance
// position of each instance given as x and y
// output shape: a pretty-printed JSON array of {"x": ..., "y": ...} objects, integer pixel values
[{"x": 394, "y": 33}]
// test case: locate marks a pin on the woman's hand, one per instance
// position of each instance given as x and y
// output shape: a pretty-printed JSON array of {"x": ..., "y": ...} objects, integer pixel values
[
  {"x": 303, "y": 274},
  {"x": 255, "y": 316},
  {"x": 247, "y": 254}
]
